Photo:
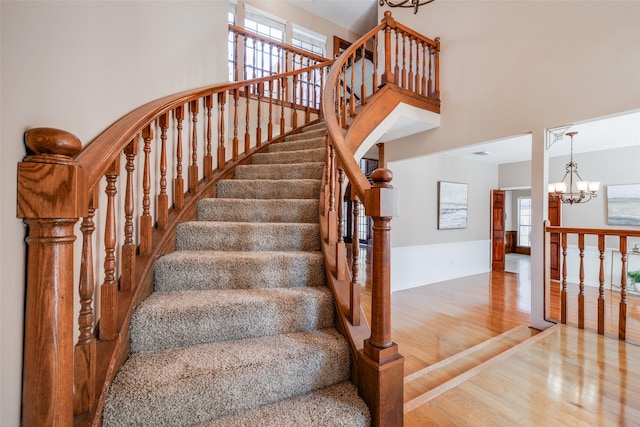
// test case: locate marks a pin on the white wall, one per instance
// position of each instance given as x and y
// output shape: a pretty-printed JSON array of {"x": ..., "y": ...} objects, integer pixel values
[
  {"x": 510, "y": 68},
  {"x": 422, "y": 254},
  {"x": 79, "y": 66}
]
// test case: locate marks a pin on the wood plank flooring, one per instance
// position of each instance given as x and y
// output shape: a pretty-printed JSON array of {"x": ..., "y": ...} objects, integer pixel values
[{"x": 467, "y": 327}]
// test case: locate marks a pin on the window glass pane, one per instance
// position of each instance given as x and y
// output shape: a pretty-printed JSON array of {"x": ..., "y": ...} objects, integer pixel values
[{"x": 524, "y": 221}]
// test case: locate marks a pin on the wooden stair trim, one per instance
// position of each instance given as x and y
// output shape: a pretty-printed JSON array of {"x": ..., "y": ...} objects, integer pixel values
[
  {"x": 444, "y": 362},
  {"x": 456, "y": 381}
]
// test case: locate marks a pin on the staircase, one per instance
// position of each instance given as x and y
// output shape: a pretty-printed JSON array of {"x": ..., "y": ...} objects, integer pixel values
[{"x": 240, "y": 327}]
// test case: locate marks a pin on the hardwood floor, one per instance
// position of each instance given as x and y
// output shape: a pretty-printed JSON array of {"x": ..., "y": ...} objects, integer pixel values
[{"x": 469, "y": 359}]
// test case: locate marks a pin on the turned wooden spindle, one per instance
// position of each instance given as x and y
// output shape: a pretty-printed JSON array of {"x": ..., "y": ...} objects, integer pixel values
[
  {"x": 208, "y": 155},
  {"x": 259, "y": 90},
  {"x": 178, "y": 181},
  {"x": 50, "y": 212},
  {"x": 622, "y": 315},
  {"x": 363, "y": 79},
  {"x": 430, "y": 81},
  {"x": 320, "y": 109},
  {"x": 346, "y": 98},
  {"x": 146, "y": 221},
  {"x": 374, "y": 78},
  {"x": 601, "y": 248},
  {"x": 235, "y": 148},
  {"x": 294, "y": 116},
  {"x": 247, "y": 129},
  {"x": 423, "y": 88},
  {"x": 563, "y": 292},
  {"x": 128, "y": 251},
  {"x": 235, "y": 57},
  {"x": 109, "y": 288},
  {"x": 352, "y": 103},
  {"x": 396, "y": 68},
  {"x": 404, "y": 61},
  {"x": 270, "y": 122},
  {"x": 194, "y": 108},
  {"x": 84, "y": 356},
  {"x": 581, "y": 285},
  {"x": 307, "y": 109},
  {"x": 163, "y": 197},
  {"x": 354, "y": 300},
  {"x": 282, "y": 90},
  {"x": 341, "y": 266},
  {"x": 436, "y": 91},
  {"x": 410, "y": 77},
  {"x": 222, "y": 154}
]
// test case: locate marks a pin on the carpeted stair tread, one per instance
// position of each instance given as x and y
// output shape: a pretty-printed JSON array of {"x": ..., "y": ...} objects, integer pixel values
[
  {"x": 269, "y": 188},
  {"x": 311, "y": 133},
  {"x": 301, "y": 156},
  {"x": 187, "y": 318},
  {"x": 258, "y": 210},
  {"x": 318, "y": 125},
  {"x": 280, "y": 171},
  {"x": 247, "y": 236},
  {"x": 201, "y": 270},
  {"x": 336, "y": 405},
  {"x": 297, "y": 145},
  {"x": 189, "y": 385}
]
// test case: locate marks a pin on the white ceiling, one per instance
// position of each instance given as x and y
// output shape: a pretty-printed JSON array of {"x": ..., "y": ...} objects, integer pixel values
[
  {"x": 595, "y": 135},
  {"x": 357, "y": 15}
]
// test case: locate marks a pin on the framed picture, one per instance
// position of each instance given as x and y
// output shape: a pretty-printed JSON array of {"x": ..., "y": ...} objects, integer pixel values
[
  {"x": 452, "y": 205},
  {"x": 623, "y": 204}
]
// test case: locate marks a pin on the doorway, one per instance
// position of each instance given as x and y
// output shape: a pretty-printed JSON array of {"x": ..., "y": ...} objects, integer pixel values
[{"x": 511, "y": 230}]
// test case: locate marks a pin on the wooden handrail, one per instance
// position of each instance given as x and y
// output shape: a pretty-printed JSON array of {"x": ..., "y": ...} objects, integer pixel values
[
  {"x": 60, "y": 183},
  {"x": 378, "y": 363},
  {"x": 601, "y": 234}
]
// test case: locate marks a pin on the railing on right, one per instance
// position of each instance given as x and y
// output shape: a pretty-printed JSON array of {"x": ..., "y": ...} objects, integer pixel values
[
  {"x": 356, "y": 99},
  {"x": 612, "y": 255}
]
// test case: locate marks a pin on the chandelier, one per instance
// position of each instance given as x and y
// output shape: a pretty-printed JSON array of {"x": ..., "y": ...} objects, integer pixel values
[
  {"x": 406, "y": 3},
  {"x": 586, "y": 190}
]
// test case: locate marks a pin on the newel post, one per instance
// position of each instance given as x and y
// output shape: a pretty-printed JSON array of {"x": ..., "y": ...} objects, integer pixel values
[
  {"x": 388, "y": 76},
  {"x": 51, "y": 199},
  {"x": 381, "y": 375}
]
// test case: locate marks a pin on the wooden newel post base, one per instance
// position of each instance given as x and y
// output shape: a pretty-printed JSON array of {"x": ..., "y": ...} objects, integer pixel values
[
  {"x": 51, "y": 209},
  {"x": 381, "y": 371}
]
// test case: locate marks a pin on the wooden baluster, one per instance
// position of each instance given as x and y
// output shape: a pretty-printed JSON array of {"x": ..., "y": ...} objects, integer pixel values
[
  {"x": 622, "y": 319},
  {"x": 146, "y": 222},
  {"x": 178, "y": 181},
  {"x": 235, "y": 148},
  {"x": 294, "y": 117},
  {"x": 436, "y": 92},
  {"x": 109, "y": 288},
  {"x": 331, "y": 216},
  {"x": 382, "y": 365},
  {"x": 404, "y": 61},
  {"x": 424, "y": 90},
  {"x": 430, "y": 82},
  {"x": 84, "y": 356},
  {"x": 347, "y": 100},
  {"x": 270, "y": 124},
  {"x": 581, "y": 286},
  {"x": 601, "y": 248},
  {"x": 208, "y": 157},
  {"x": 283, "y": 93},
  {"x": 363, "y": 86},
  {"x": 388, "y": 76},
  {"x": 194, "y": 108},
  {"x": 411, "y": 78},
  {"x": 222, "y": 154},
  {"x": 354, "y": 300},
  {"x": 563, "y": 292},
  {"x": 320, "y": 109},
  {"x": 163, "y": 197},
  {"x": 396, "y": 70},
  {"x": 244, "y": 57},
  {"x": 247, "y": 134},
  {"x": 128, "y": 252},
  {"x": 301, "y": 90},
  {"x": 259, "y": 89},
  {"x": 50, "y": 212},
  {"x": 374, "y": 79},
  {"x": 416, "y": 84},
  {"x": 352, "y": 103},
  {"x": 307, "y": 110},
  {"x": 341, "y": 266}
]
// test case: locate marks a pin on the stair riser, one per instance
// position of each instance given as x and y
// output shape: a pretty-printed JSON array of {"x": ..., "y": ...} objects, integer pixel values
[
  {"x": 179, "y": 319},
  {"x": 248, "y": 210},
  {"x": 303, "y": 156},
  {"x": 269, "y": 189},
  {"x": 204, "y": 236},
  {"x": 301, "y": 144},
  {"x": 292, "y": 171},
  {"x": 306, "y": 135}
]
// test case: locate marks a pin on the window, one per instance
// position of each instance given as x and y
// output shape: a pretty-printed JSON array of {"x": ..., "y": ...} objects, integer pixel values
[
  {"x": 261, "y": 60},
  {"x": 231, "y": 19},
  {"x": 308, "y": 92},
  {"x": 524, "y": 221}
]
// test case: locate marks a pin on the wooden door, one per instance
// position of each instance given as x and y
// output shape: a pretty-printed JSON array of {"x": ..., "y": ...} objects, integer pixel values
[
  {"x": 497, "y": 230},
  {"x": 555, "y": 218}
]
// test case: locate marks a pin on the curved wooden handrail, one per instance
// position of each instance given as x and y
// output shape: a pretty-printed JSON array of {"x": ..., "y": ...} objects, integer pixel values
[{"x": 98, "y": 155}]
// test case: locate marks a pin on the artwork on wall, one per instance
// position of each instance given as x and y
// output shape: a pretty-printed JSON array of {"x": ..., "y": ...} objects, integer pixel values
[
  {"x": 452, "y": 205},
  {"x": 623, "y": 204}
]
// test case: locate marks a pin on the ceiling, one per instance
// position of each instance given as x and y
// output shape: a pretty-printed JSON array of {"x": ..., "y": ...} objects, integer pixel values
[
  {"x": 357, "y": 15},
  {"x": 595, "y": 135}
]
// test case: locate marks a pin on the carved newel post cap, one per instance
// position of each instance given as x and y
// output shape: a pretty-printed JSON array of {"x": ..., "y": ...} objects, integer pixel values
[
  {"x": 382, "y": 177},
  {"x": 50, "y": 141}
]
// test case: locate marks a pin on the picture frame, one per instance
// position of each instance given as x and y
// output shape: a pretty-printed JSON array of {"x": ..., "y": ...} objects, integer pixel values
[
  {"x": 452, "y": 205},
  {"x": 623, "y": 204}
]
